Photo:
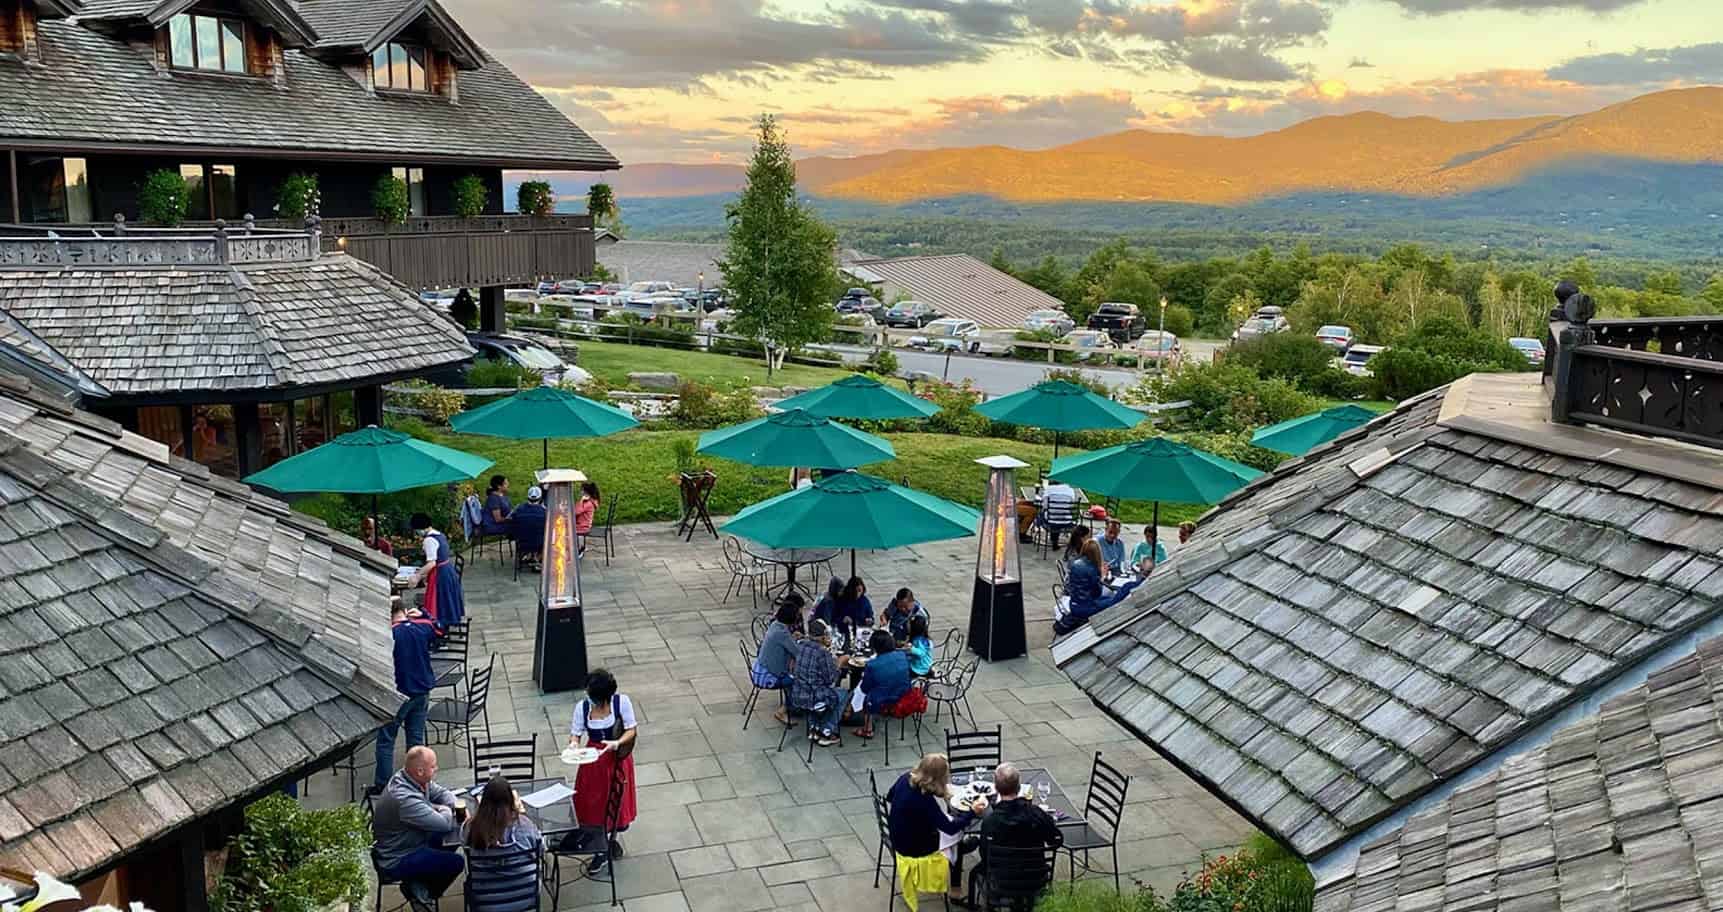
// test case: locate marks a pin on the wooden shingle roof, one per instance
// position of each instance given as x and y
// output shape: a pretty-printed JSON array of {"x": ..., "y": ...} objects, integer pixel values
[
  {"x": 142, "y": 684},
  {"x": 153, "y": 331},
  {"x": 1623, "y": 810},
  {"x": 959, "y": 285},
  {"x": 1368, "y": 622}
]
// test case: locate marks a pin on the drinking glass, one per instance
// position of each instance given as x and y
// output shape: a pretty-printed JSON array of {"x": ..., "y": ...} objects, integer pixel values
[{"x": 1043, "y": 789}]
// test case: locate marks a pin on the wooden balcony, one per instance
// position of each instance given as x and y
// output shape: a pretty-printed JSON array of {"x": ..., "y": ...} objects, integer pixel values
[
  {"x": 449, "y": 252},
  {"x": 1660, "y": 377}
]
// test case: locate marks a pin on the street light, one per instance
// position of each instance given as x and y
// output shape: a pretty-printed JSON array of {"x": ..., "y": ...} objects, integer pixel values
[{"x": 1161, "y": 340}]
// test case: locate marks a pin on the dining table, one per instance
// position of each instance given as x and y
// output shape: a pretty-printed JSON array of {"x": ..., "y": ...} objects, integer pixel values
[
  {"x": 553, "y": 820},
  {"x": 1054, "y": 800},
  {"x": 791, "y": 559}
]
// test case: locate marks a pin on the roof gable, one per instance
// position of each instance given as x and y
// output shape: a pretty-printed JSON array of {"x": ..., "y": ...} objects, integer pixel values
[
  {"x": 280, "y": 15},
  {"x": 370, "y": 26},
  {"x": 1368, "y": 622}
]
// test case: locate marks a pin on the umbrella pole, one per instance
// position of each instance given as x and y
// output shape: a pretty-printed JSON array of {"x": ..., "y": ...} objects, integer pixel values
[
  {"x": 1055, "y": 444},
  {"x": 1157, "y": 522},
  {"x": 852, "y": 562},
  {"x": 547, "y": 452},
  {"x": 374, "y": 512}
]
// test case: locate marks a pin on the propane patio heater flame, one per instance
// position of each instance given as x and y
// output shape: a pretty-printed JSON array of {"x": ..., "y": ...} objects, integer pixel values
[
  {"x": 996, "y": 625},
  {"x": 559, "y": 653}
]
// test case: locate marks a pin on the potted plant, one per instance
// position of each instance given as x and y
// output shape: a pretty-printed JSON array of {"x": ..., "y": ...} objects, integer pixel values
[
  {"x": 535, "y": 198},
  {"x": 470, "y": 196},
  {"x": 292, "y": 858},
  {"x": 389, "y": 198},
  {"x": 299, "y": 196},
  {"x": 163, "y": 198}
]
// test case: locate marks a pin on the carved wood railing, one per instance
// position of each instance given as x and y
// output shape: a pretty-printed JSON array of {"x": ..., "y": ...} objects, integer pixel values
[
  {"x": 1687, "y": 337},
  {"x": 117, "y": 246},
  {"x": 450, "y": 252},
  {"x": 1601, "y": 373}
]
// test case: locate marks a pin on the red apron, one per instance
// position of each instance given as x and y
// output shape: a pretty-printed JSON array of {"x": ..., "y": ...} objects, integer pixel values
[{"x": 592, "y": 781}]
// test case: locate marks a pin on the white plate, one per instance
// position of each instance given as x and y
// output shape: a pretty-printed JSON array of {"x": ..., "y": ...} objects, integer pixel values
[{"x": 580, "y": 756}]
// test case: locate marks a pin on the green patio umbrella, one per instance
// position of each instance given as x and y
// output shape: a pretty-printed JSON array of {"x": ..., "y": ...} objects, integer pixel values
[
  {"x": 860, "y": 397},
  {"x": 1058, "y": 406},
  {"x": 1156, "y": 469},
  {"x": 851, "y": 510},
  {"x": 371, "y": 461},
  {"x": 796, "y": 438},
  {"x": 1297, "y": 436},
  {"x": 543, "y": 412}
]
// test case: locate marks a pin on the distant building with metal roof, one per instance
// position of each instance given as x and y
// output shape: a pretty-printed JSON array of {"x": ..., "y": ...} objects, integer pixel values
[
  {"x": 687, "y": 265},
  {"x": 957, "y": 285}
]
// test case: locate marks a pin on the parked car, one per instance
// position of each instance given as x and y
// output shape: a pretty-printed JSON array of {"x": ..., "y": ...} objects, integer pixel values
[
  {"x": 949, "y": 334},
  {"x": 1055, "y": 321},
  {"x": 864, "y": 305},
  {"x": 646, "y": 289},
  {"x": 1356, "y": 357},
  {"x": 1092, "y": 341},
  {"x": 1121, "y": 321},
  {"x": 1264, "y": 322},
  {"x": 1533, "y": 349},
  {"x": 439, "y": 298},
  {"x": 513, "y": 349},
  {"x": 708, "y": 300},
  {"x": 1336, "y": 337},
  {"x": 545, "y": 287},
  {"x": 915, "y": 314},
  {"x": 1160, "y": 347}
]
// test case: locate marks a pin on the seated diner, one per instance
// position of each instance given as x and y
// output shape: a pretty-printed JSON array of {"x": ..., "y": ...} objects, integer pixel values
[
  {"x": 1085, "y": 591},
  {"x": 884, "y": 681},
  {"x": 917, "y": 823},
  {"x": 411, "y": 823},
  {"x": 503, "y": 848},
  {"x": 896, "y": 617}
]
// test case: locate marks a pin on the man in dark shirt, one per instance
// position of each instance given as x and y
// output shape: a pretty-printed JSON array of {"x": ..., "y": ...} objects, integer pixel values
[
  {"x": 1013, "y": 821},
  {"x": 413, "y": 680},
  {"x": 526, "y": 527}
]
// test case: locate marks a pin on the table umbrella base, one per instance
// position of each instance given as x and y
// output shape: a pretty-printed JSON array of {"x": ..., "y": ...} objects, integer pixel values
[{"x": 996, "y": 626}]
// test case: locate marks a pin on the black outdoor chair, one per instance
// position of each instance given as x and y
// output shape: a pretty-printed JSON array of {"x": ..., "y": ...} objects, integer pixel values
[
  {"x": 1014, "y": 878},
  {"x": 590, "y": 842},
  {"x": 383, "y": 880},
  {"x": 503, "y": 881},
  {"x": 516, "y": 759},
  {"x": 946, "y": 655},
  {"x": 451, "y": 714},
  {"x": 534, "y": 551},
  {"x": 884, "y": 716},
  {"x": 607, "y": 532},
  {"x": 1102, "y": 809},
  {"x": 953, "y": 690},
  {"x": 886, "y": 855},
  {"x": 1054, "y": 519},
  {"x": 754, "y": 694},
  {"x": 975, "y": 749},
  {"x": 449, "y": 657},
  {"x": 744, "y": 571}
]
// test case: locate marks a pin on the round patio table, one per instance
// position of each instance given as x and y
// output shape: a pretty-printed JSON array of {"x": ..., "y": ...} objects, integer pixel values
[{"x": 791, "y": 559}]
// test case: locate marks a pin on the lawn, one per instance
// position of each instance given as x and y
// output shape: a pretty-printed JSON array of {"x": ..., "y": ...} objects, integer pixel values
[
  {"x": 639, "y": 467},
  {"x": 612, "y": 362}
]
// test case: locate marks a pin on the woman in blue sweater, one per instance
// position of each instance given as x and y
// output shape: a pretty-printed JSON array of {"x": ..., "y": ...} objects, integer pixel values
[
  {"x": 885, "y": 680},
  {"x": 1083, "y": 585},
  {"x": 917, "y": 820}
]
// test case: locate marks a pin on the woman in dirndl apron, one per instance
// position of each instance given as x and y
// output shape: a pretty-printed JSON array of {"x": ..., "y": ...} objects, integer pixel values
[
  {"x": 444, "y": 602},
  {"x": 605, "y": 719}
]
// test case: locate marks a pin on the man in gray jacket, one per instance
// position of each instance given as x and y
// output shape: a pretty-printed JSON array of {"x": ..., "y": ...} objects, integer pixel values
[{"x": 410, "y": 822}]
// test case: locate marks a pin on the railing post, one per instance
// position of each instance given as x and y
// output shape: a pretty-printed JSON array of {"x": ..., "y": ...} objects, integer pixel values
[
  {"x": 1569, "y": 334},
  {"x": 119, "y": 224},
  {"x": 250, "y": 223},
  {"x": 221, "y": 240},
  {"x": 314, "y": 229}
]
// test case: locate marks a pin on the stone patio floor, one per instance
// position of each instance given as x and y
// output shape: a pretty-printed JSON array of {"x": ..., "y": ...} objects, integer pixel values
[{"x": 729, "y": 824}]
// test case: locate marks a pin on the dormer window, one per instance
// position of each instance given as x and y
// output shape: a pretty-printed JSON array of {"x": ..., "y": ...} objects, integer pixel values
[
  {"x": 402, "y": 68},
  {"x": 211, "y": 43}
]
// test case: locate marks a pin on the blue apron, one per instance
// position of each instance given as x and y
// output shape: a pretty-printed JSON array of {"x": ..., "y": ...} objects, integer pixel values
[{"x": 443, "y": 598}]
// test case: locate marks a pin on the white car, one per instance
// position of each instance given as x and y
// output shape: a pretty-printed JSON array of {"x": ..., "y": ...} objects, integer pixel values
[
  {"x": 1056, "y": 321},
  {"x": 640, "y": 290},
  {"x": 1356, "y": 357},
  {"x": 949, "y": 334},
  {"x": 1093, "y": 341}
]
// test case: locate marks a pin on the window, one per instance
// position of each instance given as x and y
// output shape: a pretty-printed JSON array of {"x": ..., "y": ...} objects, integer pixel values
[
  {"x": 212, "y": 191},
  {"x": 53, "y": 189},
  {"x": 402, "y": 67},
  {"x": 207, "y": 43},
  {"x": 414, "y": 178},
  {"x": 196, "y": 192}
]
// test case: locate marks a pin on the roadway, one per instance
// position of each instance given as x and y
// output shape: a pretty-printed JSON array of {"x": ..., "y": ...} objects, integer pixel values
[{"x": 1002, "y": 376}]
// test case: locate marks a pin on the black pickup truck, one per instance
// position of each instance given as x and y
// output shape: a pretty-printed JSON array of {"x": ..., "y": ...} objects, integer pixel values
[{"x": 1121, "y": 321}]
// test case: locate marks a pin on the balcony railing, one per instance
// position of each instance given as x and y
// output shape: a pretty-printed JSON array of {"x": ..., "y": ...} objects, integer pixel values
[
  {"x": 1605, "y": 372},
  {"x": 449, "y": 252},
  {"x": 117, "y": 246}
]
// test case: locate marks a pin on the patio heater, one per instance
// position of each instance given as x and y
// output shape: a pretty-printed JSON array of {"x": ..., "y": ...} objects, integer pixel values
[
  {"x": 559, "y": 642},
  {"x": 996, "y": 628}
]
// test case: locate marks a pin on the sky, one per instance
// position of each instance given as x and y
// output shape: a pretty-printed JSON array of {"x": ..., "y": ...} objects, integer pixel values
[{"x": 684, "y": 80}]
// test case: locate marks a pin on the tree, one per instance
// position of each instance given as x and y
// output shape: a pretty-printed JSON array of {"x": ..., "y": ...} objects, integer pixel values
[
  {"x": 1713, "y": 295},
  {"x": 779, "y": 264}
]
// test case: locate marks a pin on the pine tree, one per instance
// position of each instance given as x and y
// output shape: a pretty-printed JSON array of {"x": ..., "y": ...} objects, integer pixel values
[{"x": 778, "y": 265}]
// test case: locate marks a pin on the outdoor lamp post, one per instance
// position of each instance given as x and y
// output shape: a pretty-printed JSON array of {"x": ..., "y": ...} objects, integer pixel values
[
  {"x": 559, "y": 643},
  {"x": 1161, "y": 340},
  {"x": 996, "y": 627}
]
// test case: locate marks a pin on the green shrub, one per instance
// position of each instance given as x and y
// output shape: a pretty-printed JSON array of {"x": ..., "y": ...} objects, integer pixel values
[
  {"x": 1438, "y": 351},
  {"x": 435, "y": 402},
  {"x": 683, "y": 449},
  {"x": 1294, "y": 357},
  {"x": 1226, "y": 396},
  {"x": 1261, "y": 877},
  {"x": 1335, "y": 383},
  {"x": 1098, "y": 896},
  {"x": 469, "y": 196},
  {"x": 1025, "y": 353},
  {"x": 1180, "y": 321},
  {"x": 630, "y": 328},
  {"x": 487, "y": 374},
  {"x": 298, "y": 196},
  {"x": 1077, "y": 377},
  {"x": 163, "y": 198},
  {"x": 882, "y": 362},
  {"x": 702, "y": 406},
  {"x": 389, "y": 200},
  {"x": 956, "y": 403},
  {"x": 535, "y": 198},
  {"x": 293, "y": 860}
]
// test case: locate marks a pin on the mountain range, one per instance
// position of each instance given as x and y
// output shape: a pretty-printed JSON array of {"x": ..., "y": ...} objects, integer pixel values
[{"x": 1352, "y": 153}]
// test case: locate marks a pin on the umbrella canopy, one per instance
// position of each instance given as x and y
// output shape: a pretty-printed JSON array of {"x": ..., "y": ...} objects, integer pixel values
[
  {"x": 1300, "y": 435},
  {"x": 796, "y": 438},
  {"x": 370, "y": 461},
  {"x": 860, "y": 397},
  {"x": 1156, "y": 469},
  {"x": 543, "y": 412},
  {"x": 851, "y": 510},
  {"x": 1060, "y": 406}
]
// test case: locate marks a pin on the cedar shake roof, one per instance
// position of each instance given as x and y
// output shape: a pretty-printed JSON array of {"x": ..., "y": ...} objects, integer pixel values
[
  {"x": 1623, "y": 810},
  {"x": 153, "y": 331},
  {"x": 959, "y": 285},
  {"x": 22, "y": 351},
  {"x": 1369, "y": 621},
  {"x": 90, "y": 87},
  {"x": 142, "y": 685}
]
